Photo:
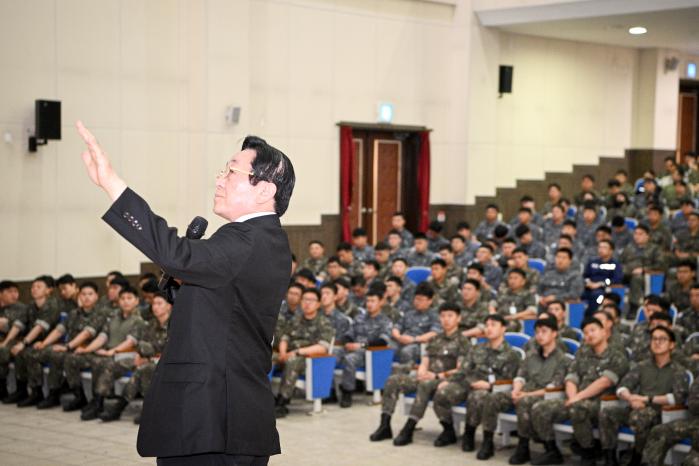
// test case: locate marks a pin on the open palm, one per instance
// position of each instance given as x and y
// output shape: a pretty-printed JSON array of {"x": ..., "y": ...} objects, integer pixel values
[{"x": 99, "y": 169}]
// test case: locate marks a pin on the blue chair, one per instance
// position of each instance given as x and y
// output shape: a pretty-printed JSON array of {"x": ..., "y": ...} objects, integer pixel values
[
  {"x": 537, "y": 264},
  {"x": 573, "y": 346},
  {"x": 418, "y": 274},
  {"x": 576, "y": 314},
  {"x": 579, "y": 333},
  {"x": 638, "y": 186},
  {"x": 641, "y": 315},
  {"x": 516, "y": 339},
  {"x": 631, "y": 223},
  {"x": 654, "y": 283},
  {"x": 572, "y": 210},
  {"x": 378, "y": 367},
  {"x": 317, "y": 381},
  {"x": 528, "y": 326}
]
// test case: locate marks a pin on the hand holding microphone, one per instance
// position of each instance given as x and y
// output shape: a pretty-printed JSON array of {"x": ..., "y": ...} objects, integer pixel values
[{"x": 169, "y": 284}]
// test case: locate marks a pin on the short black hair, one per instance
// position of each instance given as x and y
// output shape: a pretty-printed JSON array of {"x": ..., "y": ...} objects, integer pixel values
[
  {"x": 618, "y": 221},
  {"x": 439, "y": 261},
  {"x": 450, "y": 306},
  {"x": 271, "y": 165},
  {"x": 522, "y": 230},
  {"x": 46, "y": 279},
  {"x": 549, "y": 322},
  {"x": 554, "y": 185},
  {"x": 556, "y": 301},
  {"x": 591, "y": 320},
  {"x": 8, "y": 284},
  {"x": 459, "y": 237},
  {"x": 296, "y": 285},
  {"x": 492, "y": 206},
  {"x": 90, "y": 284},
  {"x": 395, "y": 280},
  {"x": 400, "y": 259},
  {"x": 470, "y": 281},
  {"x": 661, "y": 316},
  {"x": 518, "y": 271},
  {"x": 151, "y": 286},
  {"x": 565, "y": 251},
  {"x": 424, "y": 289},
  {"x": 330, "y": 286},
  {"x": 446, "y": 247},
  {"x": 374, "y": 264},
  {"x": 129, "y": 289},
  {"x": 374, "y": 292},
  {"x": 65, "y": 279},
  {"x": 463, "y": 225},
  {"x": 343, "y": 282},
  {"x": 120, "y": 281},
  {"x": 382, "y": 246},
  {"x": 435, "y": 226},
  {"x": 519, "y": 250},
  {"x": 670, "y": 334},
  {"x": 307, "y": 274},
  {"x": 334, "y": 259},
  {"x": 475, "y": 266},
  {"x": 344, "y": 246},
  {"x": 419, "y": 235},
  {"x": 643, "y": 227},
  {"x": 316, "y": 241},
  {"x": 358, "y": 232},
  {"x": 496, "y": 318},
  {"x": 312, "y": 290}
]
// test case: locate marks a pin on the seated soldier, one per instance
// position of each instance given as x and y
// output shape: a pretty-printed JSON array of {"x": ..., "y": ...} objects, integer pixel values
[
  {"x": 463, "y": 249},
  {"x": 597, "y": 368},
  {"x": 309, "y": 334},
  {"x": 148, "y": 350},
  {"x": 455, "y": 272},
  {"x": 562, "y": 282},
  {"x": 109, "y": 303},
  {"x": 340, "y": 322},
  {"x": 347, "y": 261},
  {"x": 647, "y": 387},
  {"x": 677, "y": 293},
  {"x": 398, "y": 225},
  {"x": 491, "y": 270},
  {"x": 148, "y": 291},
  {"x": 473, "y": 309},
  {"x": 68, "y": 293},
  {"x": 637, "y": 259},
  {"x": 119, "y": 334},
  {"x": 615, "y": 338},
  {"x": 445, "y": 289},
  {"x": 517, "y": 303},
  {"x": 394, "y": 286},
  {"x": 13, "y": 323},
  {"x": 399, "y": 269},
  {"x": 44, "y": 313},
  {"x": 361, "y": 249},
  {"x": 372, "y": 328},
  {"x": 358, "y": 291},
  {"x": 484, "y": 364},
  {"x": 442, "y": 357},
  {"x": 689, "y": 319},
  {"x": 419, "y": 325},
  {"x": 533, "y": 345},
  {"x": 395, "y": 245},
  {"x": 520, "y": 260},
  {"x": 419, "y": 255},
  {"x": 316, "y": 261},
  {"x": 335, "y": 269},
  {"x": 655, "y": 309},
  {"x": 342, "y": 298},
  {"x": 382, "y": 257},
  {"x": 76, "y": 330},
  {"x": 558, "y": 310},
  {"x": 545, "y": 366},
  {"x": 663, "y": 437}
]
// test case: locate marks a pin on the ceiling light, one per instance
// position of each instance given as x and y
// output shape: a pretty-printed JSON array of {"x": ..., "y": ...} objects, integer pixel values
[{"x": 637, "y": 30}]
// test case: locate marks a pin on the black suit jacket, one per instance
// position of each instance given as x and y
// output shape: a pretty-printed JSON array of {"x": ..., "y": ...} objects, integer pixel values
[{"x": 210, "y": 391}]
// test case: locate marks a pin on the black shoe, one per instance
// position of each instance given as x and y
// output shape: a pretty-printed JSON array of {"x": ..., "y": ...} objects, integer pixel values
[
  {"x": 3, "y": 389},
  {"x": 79, "y": 402},
  {"x": 521, "y": 455},
  {"x": 137, "y": 419},
  {"x": 384, "y": 431},
  {"x": 19, "y": 394},
  {"x": 610, "y": 458},
  {"x": 636, "y": 459},
  {"x": 280, "y": 410},
  {"x": 93, "y": 409},
  {"x": 448, "y": 435},
  {"x": 468, "y": 441},
  {"x": 487, "y": 449},
  {"x": 551, "y": 456},
  {"x": 405, "y": 436},
  {"x": 113, "y": 413},
  {"x": 345, "y": 398},
  {"x": 50, "y": 401},
  {"x": 589, "y": 457},
  {"x": 33, "y": 399}
]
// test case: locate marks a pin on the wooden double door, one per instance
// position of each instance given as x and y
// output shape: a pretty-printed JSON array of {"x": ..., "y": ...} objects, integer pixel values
[{"x": 384, "y": 180}]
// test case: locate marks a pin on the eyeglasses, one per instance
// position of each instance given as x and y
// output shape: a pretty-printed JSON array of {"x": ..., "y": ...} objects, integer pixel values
[
  {"x": 660, "y": 339},
  {"x": 229, "y": 168},
  {"x": 310, "y": 300}
]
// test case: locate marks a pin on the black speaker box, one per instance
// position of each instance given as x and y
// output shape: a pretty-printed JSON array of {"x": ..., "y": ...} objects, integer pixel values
[
  {"x": 505, "y": 81},
  {"x": 48, "y": 119}
]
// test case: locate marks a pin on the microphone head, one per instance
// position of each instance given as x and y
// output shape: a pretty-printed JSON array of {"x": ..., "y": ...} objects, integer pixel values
[{"x": 197, "y": 228}]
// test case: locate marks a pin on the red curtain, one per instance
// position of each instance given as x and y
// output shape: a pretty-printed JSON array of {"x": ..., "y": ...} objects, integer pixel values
[
  {"x": 346, "y": 169},
  {"x": 423, "y": 181}
]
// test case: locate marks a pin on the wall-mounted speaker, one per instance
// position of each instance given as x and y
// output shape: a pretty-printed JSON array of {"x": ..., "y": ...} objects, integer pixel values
[
  {"x": 505, "y": 79},
  {"x": 47, "y": 114}
]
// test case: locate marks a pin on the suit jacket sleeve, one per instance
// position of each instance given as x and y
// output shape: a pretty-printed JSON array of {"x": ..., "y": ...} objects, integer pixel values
[{"x": 208, "y": 263}]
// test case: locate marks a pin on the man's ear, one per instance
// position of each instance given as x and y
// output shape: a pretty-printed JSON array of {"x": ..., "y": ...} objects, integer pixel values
[{"x": 266, "y": 192}]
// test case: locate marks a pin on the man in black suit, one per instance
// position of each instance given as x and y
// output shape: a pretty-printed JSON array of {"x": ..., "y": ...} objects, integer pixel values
[{"x": 210, "y": 401}]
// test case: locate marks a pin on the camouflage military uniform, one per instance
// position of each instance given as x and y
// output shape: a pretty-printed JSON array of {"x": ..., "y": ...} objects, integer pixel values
[
  {"x": 445, "y": 292},
  {"x": 364, "y": 329},
  {"x": 419, "y": 259},
  {"x": 317, "y": 266},
  {"x": 301, "y": 333},
  {"x": 585, "y": 369},
  {"x": 640, "y": 342},
  {"x": 663, "y": 436},
  {"x": 532, "y": 278},
  {"x": 689, "y": 320},
  {"x": 286, "y": 316},
  {"x": 350, "y": 309},
  {"x": 445, "y": 353},
  {"x": 104, "y": 370},
  {"x": 473, "y": 316},
  {"x": 564, "y": 285},
  {"x": 392, "y": 312},
  {"x": 481, "y": 363},
  {"x": 17, "y": 315},
  {"x": 512, "y": 302},
  {"x": 340, "y": 322},
  {"x": 535, "y": 373},
  {"x": 455, "y": 275},
  {"x": 46, "y": 317},
  {"x": 687, "y": 242},
  {"x": 661, "y": 236},
  {"x": 363, "y": 255},
  {"x": 648, "y": 257},
  {"x": 77, "y": 321},
  {"x": 647, "y": 379},
  {"x": 151, "y": 346},
  {"x": 354, "y": 269},
  {"x": 414, "y": 323},
  {"x": 678, "y": 296}
]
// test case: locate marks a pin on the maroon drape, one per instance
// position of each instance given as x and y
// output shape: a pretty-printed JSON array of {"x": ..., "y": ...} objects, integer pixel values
[
  {"x": 346, "y": 161},
  {"x": 423, "y": 181}
]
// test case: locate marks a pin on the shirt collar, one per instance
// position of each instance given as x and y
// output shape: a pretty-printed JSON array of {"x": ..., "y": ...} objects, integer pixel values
[{"x": 246, "y": 217}]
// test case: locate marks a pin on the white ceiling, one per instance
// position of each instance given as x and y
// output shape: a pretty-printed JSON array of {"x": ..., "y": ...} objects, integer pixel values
[{"x": 676, "y": 28}]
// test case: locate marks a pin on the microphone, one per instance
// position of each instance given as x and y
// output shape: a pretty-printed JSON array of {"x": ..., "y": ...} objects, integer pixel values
[{"x": 167, "y": 283}]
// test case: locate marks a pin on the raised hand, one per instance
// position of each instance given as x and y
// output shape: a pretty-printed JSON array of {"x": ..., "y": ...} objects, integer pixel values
[{"x": 99, "y": 169}]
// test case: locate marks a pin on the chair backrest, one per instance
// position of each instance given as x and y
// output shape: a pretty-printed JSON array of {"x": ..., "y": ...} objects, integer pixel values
[
  {"x": 520, "y": 351},
  {"x": 572, "y": 210},
  {"x": 528, "y": 327},
  {"x": 640, "y": 315},
  {"x": 516, "y": 339},
  {"x": 573, "y": 346},
  {"x": 692, "y": 336},
  {"x": 654, "y": 283},
  {"x": 638, "y": 185},
  {"x": 537, "y": 264},
  {"x": 418, "y": 274},
  {"x": 579, "y": 332},
  {"x": 690, "y": 377},
  {"x": 576, "y": 314},
  {"x": 631, "y": 223}
]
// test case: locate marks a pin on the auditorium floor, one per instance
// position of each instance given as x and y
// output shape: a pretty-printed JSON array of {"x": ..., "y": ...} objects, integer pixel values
[{"x": 335, "y": 437}]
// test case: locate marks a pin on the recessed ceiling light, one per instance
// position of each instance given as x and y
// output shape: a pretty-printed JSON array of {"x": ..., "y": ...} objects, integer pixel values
[{"x": 637, "y": 30}]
